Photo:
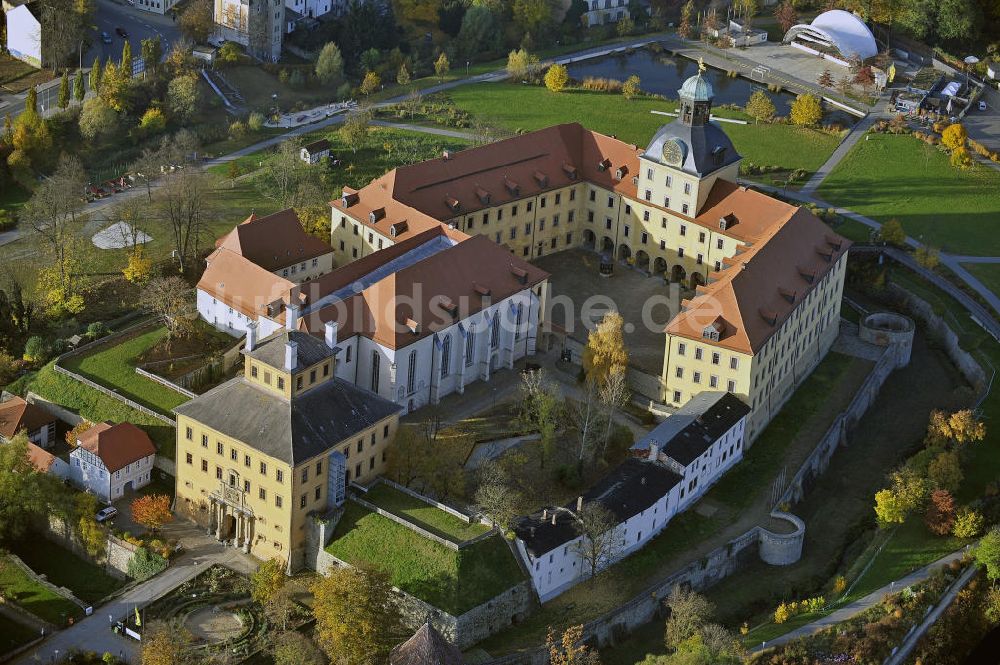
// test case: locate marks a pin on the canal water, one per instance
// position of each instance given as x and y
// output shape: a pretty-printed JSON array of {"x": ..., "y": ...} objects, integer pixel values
[{"x": 663, "y": 74}]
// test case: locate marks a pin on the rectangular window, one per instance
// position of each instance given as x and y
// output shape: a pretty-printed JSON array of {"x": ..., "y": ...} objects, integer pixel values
[
  {"x": 649, "y": 174},
  {"x": 246, "y": 461},
  {"x": 697, "y": 377},
  {"x": 316, "y": 493},
  {"x": 188, "y": 433},
  {"x": 572, "y": 195},
  {"x": 527, "y": 206},
  {"x": 279, "y": 475},
  {"x": 411, "y": 376},
  {"x": 648, "y": 195},
  {"x": 281, "y": 382},
  {"x": 687, "y": 188},
  {"x": 677, "y": 396},
  {"x": 218, "y": 473},
  {"x": 684, "y": 229},
  {"x": 734, "y": 363},
  {"x": 731, "y": 386},
  {"x": 592, "y": 195},
  {"x": 611, "y": 202},
  {"x": 663, "y": 244},
  {"x": 302, "y": 501},
  {"x": 681, "y": 348},
  {"x": 375, "y": 370},
  {"x": 253, "y": 371},
  {"x": 470, "y": 348},
  {"x": 697, "y": 354},
  {"x": 684, "y": 208},
  {"x": 305, "y": 474},
  {"x": 713, "y": 381},
  {"x": 590, "y": 215},
  {"x": 701, "y": 236},
  {"x": 644, "y": 238},
  {"x": 262, "y": 494},
  {"x": 263, "y": 468},
  {"x": 277, "y": 501},
  {"x": 233, "y": 455},
  {"x": 679, "y": 373},
  {"x": 628, "y": 209},
  {"x": 204, "y": 441},
  {"x": 680, "y": 252},
  {"x": 541, "y": 203},
  {"x": 204, "y": 466},
  {"x": 718, "y": 243},
  {"x": 189, "y": 458},
  {"x": 715, "y": 358},
  {"x": 219, "y": 448}
]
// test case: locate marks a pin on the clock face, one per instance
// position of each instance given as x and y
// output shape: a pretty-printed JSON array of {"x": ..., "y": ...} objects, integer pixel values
[{"x": 673, "y": 152}]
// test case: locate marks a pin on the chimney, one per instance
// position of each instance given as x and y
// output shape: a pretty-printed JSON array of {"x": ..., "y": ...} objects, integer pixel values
[
  {"x": 654, "y": 451},
  {"x": 545, "y": 514},
  {"x": 579, "y": 503},
  {"x": 251, "y": 336},
  {"x": 291, "y": 356},
  {"x": 331, "y": 333},
  {"x": 292, "y": 317},
  {"x": 553, "y": 518}
]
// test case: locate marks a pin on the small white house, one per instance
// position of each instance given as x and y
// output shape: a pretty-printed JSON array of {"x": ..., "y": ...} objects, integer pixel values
[
  {"x": 111, "y": 459},
  {"x": 24, "y": 33},
  {"x": 17, "y": 415},
  {"x": 46, "y": 462},
  {"x": 315, "y": 151},
  {"x": 670, "y": 468}
]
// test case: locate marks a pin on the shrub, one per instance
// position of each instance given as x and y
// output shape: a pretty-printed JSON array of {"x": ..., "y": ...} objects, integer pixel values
[
  {"x": 969, "y": 523},
  {"x": 782, "y": 613},
  {"x": 940, "y": 514},
  {"x": 237, "y": 129},
  {"x": 96, "y": 330},
  {"x": 601, "y": 84},
  {"x": 144, "y": 564},
  {"x": 8, "y": 368},
  {"x": 806, "y": 111},
  {"x": 556, "y": 78},
  {"x": 36, "y": 350},
  {"x": 630, "y": 89},
  {"x": 255, "y": 121}
]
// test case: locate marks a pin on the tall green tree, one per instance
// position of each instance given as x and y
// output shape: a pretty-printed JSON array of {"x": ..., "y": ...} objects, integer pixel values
[
  {"x": 95, "y": 75},
  {"x": 125, "y": 66},
  {"x": 151, "y": 52},
  {"x": 78, "y": 90},
  {"x": 64, "y": 90},
  {"x": 25, "y": 494},
  {"x": 330, "y": 65}
]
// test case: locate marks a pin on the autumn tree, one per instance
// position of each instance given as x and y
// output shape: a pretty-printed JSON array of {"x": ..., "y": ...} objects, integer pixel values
[
  {"x": 540, "y": 410},
  {"x": 630, "y": 88},
  {"x": 25, "y": 494},
  {"x": 183, "y": 96},
  {"x": 605, "y": 350},
  {"x": 330, "y": 65},
  {"x": 865, "y": 77},
  {"x": 689, "y": 612},
  {"x": 151, "y": 52},
  {"x": 196, "y": 21},
  {"x": 569, "y": 648},
  {"x": 531, "y": 15},
  {"x": 954, "y": 136},
  {"x": 892, "y": 232},
  {"x": 969, "y": 523},
  {"x": 267, "y": 581},
  {"x": 403, "y": 75},
  {"x": 293, "y": 648},
  {"x": 521, "y": 64},
  {"x": 370, "y": 84},
  {"x": 686, "y": 27},
  {"x": 152, "y": 511},
  {"x": 614, "y": 395},
  {"x": 961, "y": 427},
  {"x": 760, "y": 107},
  {"x": 170, "y": 299},
  {"x": 945, "y": 471},
  {"x": 826, "y": 79},
  {"x": 807, "y": 111},
  {"x": 786, "y": 15},
  {"x": 442, "y": 66},
  {"x": 556, "y": 78},
  {"x": 907, "y": 493},
  {"x": 78, "y": 88},
  {"x": 164, "y": 643},
  {"x": 940, "y": 516},
  {"x": 354, "y": 130},
  {"x": 73, "y": 435},
  {"x": 599, "y": 542},
  {"x": 357, "y": 620},
  {"x": 286, "y": 179},
  {"x": 97, "y": 119}
]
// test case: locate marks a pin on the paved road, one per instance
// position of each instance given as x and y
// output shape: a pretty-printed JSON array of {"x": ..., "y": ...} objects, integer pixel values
[
  {"x": 862, "y": 604},
  {"x": 438, "y": 131},
  {"x": 94, "y": 633},
  {"x": 137, "y": 23}
]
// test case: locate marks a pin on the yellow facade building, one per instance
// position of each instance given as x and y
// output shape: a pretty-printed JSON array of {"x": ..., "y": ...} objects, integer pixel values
[
  {"x": 259, "y": 453},
  {"x": 763, "y": 278}
]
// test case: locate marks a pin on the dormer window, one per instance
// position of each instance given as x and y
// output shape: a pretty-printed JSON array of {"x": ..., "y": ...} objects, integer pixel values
[
  {"x": 449, "y": 306},
  {"x": 787, "y": 294},
  {"x": 484, "y": 196},
  {"x": 570, "y": 170},
  {"x": 413, "y": 326},
  {"x": 714, "y": 330},
  {"x": 727, "y": 221},
  {"x": 376, "y": 214},
  {"x": 604, "y": 165},
  {"x": 621, "y": 172},
  {"x": 397, "y": 228},
  {"x": 452, "y": 203},
  {"x": 520, "y": 273},
  {"x": 541, "y": 179},
  {"x": 719, "y": 154},
  {"x": 511, "y": 186},
  {"x": 348, "y": 199}
]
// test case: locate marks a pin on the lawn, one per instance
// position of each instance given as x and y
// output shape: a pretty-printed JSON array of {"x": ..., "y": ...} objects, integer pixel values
[
  {"x": 63, "y": 568},
  {"x": 14, "y": 635},
  {"x": 987, "y": 273},
  {"x": 113, "y": 366},
  {"x": 93, "y": 405},
  {"x": 521, "y": 107},
  {"x": 452, "y": 581},
  {"x": 382, "y": 150},
  {"x": 424, "y": 515},
  {"x": 17, "y": 587},
  {"x": 899, "y": 177}
]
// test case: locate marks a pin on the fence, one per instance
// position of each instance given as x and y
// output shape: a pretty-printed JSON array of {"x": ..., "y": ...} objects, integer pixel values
[
  {"x": 111, "y": 393},
  {"x": 450, "y": 544}
]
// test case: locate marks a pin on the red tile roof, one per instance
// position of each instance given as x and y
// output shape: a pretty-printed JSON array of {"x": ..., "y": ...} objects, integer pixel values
[
  {"x": 16, "y": 414},
  {"x": 41, "y": 459},
  {"x": 117, "y": 445},
  {"x": 273, "y": 242}
]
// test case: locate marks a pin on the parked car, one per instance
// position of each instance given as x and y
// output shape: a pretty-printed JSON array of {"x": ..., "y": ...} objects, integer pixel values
[
  {"x": 121, "y": 33},
  {"x": 982, "y": 105},
  {"x": 104, "y": 514},
  {"x": 105, "y": 37}
]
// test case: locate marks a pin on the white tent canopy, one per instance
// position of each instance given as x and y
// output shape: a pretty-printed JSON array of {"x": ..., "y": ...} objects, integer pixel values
[{"x": 837, "y": 29}]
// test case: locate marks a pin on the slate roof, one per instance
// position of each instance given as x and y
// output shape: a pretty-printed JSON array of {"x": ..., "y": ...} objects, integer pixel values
[
  {"x": 17, "y": 414},
  {"x": 117, "y": 445},
  {"x": 317, "y": 146},
  {"x": 293, "y": 430},
  {"x": 700, "y": 144},
  {"x": 426, "y": 647},
  {"x": 686, "y": 435},
  {"x": 309, "y": 349},
  {"x": 629, "y": 489}
]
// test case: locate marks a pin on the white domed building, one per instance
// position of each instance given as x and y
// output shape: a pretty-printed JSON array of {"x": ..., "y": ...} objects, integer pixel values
[{"x": 836, "y": 35}]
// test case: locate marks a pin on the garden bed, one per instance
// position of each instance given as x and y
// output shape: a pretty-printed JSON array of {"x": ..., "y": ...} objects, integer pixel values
[
  {"x": 452, "y": 581},
  {"x": 87, "y": 581}
]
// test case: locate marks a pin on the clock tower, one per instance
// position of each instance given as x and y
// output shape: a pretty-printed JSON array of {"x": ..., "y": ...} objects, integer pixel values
[{"x": 686, "y": 156}]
